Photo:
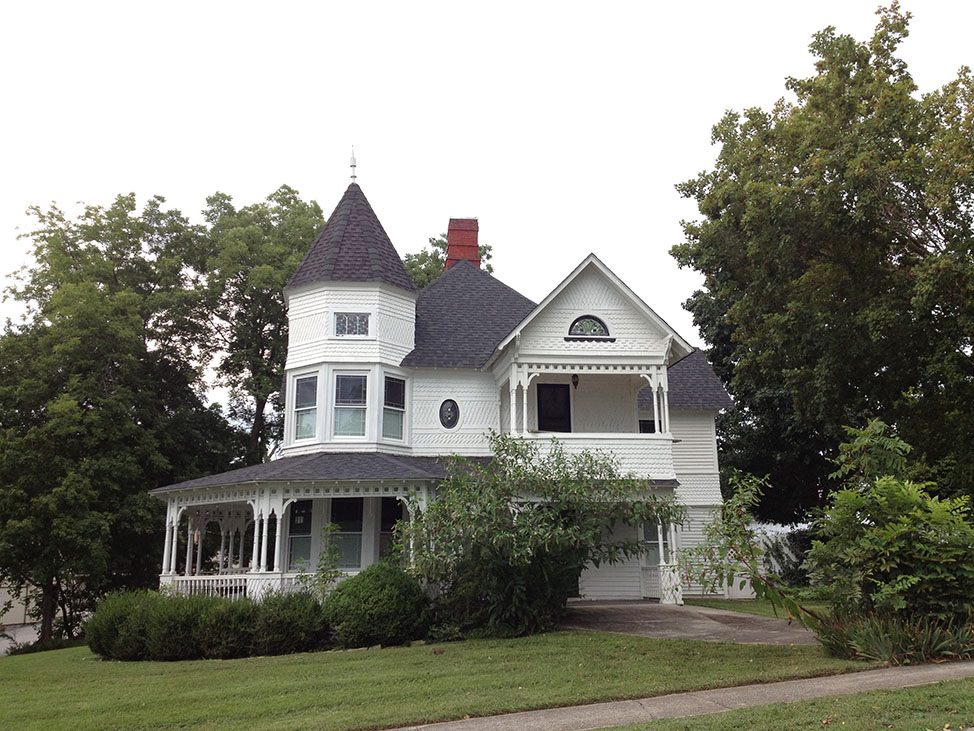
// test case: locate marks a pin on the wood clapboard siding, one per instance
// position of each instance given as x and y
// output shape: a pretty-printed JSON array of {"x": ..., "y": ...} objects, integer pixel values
[{"x": 613, "y": 581}]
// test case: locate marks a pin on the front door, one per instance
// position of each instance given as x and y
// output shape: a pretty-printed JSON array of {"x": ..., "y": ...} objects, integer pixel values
[{"x": 554, "y": 407}]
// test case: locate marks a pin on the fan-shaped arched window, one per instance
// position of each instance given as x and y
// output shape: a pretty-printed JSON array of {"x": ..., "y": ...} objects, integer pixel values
[{"x": 588, "y": 327}]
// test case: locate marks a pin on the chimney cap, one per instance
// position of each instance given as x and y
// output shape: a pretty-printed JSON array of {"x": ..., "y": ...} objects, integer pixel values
[{"x": 464, "y": 224}]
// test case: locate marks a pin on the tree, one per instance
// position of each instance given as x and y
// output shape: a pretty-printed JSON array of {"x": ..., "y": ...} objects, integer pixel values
[
  {"x": 254, "y": 251},
  {"x": 506, "y": 540},
  {"x": 430, "y": 263},
  {"x": 837, "y": 246},
  {"x": 99, "y": 401}
]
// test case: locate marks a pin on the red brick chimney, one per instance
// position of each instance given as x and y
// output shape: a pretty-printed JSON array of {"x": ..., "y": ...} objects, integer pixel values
[{"x": 461, "y": 241}]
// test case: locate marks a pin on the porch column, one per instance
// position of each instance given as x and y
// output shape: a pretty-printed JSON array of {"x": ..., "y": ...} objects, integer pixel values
[
  {"x": 264, "y": 523},
  {"x": 256, "y": 552},
  {"x": 189, "y": 546},
  {"x": 174, "y": 547},
  {"x": 223, "y": 549},
  {"x": 167, "y": 549},
  {"x": 513, "y": 386},
  {"x": 525, "y": 386},
  {"x": 199, "y": 547},
  {"x": 278, "y": 540}
]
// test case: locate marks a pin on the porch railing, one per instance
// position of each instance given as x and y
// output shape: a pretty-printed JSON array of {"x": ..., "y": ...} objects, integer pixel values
[
  {"x": 231, "y": 586},
  {"x": 644, "y": 455}
]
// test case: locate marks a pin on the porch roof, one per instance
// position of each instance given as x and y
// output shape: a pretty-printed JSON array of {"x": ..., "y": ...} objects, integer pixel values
[
  {"x": 325, "y": 467},
  {"x": 337, "y": 467}
]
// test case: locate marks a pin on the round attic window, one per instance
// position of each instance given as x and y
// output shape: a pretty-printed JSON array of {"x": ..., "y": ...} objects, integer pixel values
[{"x": 449, "y": 414}]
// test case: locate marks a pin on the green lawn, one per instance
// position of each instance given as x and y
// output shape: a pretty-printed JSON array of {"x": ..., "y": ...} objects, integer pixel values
[
  {"x": 375, "y": 688},
  {"x": 928, "y": 707},
  {"x": 760, "y": 607}
]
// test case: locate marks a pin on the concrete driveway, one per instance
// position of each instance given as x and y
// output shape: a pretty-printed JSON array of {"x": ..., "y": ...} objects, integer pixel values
[{"x": 650, "y": 619}]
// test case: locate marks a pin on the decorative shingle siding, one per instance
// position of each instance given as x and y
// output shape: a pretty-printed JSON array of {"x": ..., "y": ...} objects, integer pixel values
[
  {"x": 476, "y": 396},
  {"x": 311, "y": 316},
  {"x": 592, "y": 294}
]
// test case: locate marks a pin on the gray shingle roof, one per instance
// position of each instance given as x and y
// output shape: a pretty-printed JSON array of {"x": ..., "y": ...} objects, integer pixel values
[
  {"x": 338, "y": 467},
  {"x": 462, "y": 317},
  {"x": 325, "y": 467},
  {"x": 692, "y": 385},
  {"x": 353, "y": 247}
]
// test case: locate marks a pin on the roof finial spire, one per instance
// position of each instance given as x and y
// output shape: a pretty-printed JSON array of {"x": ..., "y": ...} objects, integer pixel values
[{"x": 353, "y": 164}]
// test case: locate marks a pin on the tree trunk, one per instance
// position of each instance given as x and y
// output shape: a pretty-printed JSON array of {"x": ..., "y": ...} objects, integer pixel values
[
  {"x": 48, "y": 609},
  {"x": 254, "y": 452}
]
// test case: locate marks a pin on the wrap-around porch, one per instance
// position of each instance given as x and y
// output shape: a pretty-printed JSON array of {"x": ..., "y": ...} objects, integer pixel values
[{"x": 245, "y": 541}]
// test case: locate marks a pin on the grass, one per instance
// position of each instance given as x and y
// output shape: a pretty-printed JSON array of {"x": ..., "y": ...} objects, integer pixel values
[
  {"x": 947, "y": 705},
  {"x": 761, "y": 607},
  {"x": 376, "y": 688}
]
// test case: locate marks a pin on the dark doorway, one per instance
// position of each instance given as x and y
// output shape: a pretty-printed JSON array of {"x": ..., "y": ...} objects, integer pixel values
[{"x": 554, "y": 407}]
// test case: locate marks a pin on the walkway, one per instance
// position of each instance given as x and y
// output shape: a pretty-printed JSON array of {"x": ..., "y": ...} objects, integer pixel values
[{"x": 704, "y": 702}]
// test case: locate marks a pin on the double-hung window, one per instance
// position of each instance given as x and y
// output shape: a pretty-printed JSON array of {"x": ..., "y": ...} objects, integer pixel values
[
  {"x": 394, "y": 408},
  {"x": 346, "y": 513},
  {"x": 352, "y": 324},
  {"x": 305, "y": 407},
  {"x": 351, "y": 393},
  {"x": 299, "y": 532}
]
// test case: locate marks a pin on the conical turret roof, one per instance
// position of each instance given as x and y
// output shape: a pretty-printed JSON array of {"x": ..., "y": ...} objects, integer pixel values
[{"x": 353, "y": 247}]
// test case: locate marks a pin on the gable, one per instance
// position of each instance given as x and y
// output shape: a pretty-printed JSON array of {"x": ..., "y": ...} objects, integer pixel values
[{"x": 592, "y": 290}]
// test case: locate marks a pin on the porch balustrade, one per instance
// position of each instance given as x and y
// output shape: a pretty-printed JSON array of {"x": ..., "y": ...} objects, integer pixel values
[
  {"x": 231, "y": 586},
  {"x": 644, "y": 455}
]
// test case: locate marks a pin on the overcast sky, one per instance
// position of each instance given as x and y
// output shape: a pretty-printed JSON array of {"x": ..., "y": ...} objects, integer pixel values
[{"x": 562, "y": 126}]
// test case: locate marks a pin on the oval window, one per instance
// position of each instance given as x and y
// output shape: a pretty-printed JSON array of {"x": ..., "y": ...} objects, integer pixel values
[{"x": 449, "y": 413}]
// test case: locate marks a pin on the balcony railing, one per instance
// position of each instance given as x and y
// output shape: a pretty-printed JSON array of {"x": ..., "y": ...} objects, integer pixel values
[{"x": 644, "y": 455}]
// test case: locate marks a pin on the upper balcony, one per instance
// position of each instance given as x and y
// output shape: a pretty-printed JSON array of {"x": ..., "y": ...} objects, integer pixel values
[{"x": 643, "y": 455}]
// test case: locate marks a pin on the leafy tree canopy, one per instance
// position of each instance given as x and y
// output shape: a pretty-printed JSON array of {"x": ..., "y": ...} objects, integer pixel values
[
  {"x": 99, "y": 401},
  {"x": 252, "y": 253},
  {"x": 430, "y": 263},
  {"x": 837, "y": 246}
]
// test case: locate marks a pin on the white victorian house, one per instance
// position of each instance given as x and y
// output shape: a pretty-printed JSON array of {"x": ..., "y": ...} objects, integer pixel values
[{"x": 382, "y": 381}]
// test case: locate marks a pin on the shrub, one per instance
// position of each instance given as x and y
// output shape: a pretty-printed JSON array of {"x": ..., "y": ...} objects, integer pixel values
[
  {"x": 151, "y": 626},
  {"x": 117, "y": 629},
  {"x": 894, "y": 549},
  {"x": 226, "y": 629},
  {"x": 173, "y": 630},
  {"x": 287, "y": 623},
  {"x": 383, "y": 605},
  {"x": 896, "y": 640},
  {"x": 505, "y": 541}
]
